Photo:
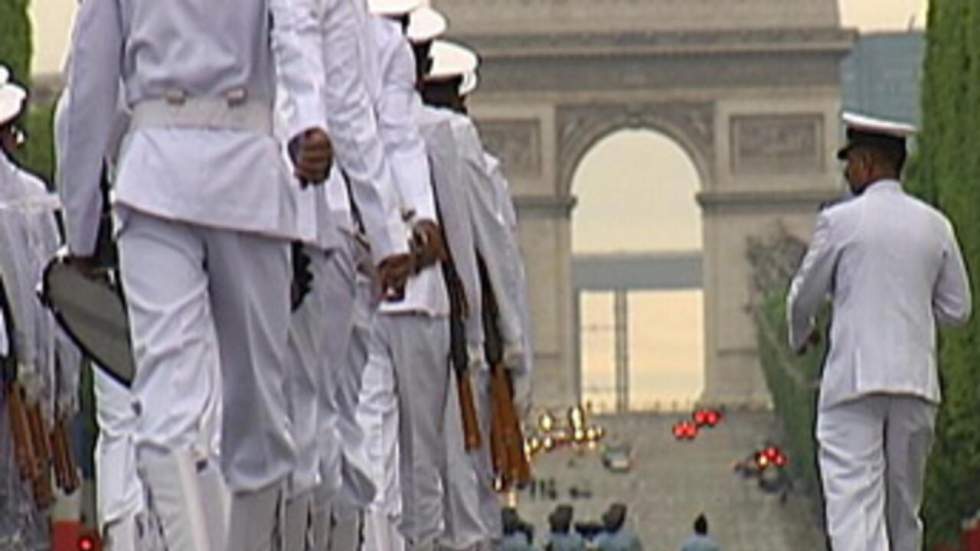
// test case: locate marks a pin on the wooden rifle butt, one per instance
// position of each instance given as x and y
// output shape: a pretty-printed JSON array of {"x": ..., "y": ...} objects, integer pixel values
[
  {"x": 509, "y": 457},
  {"x": 21, "y": 431},
  {"x": 472, "y": 439}
]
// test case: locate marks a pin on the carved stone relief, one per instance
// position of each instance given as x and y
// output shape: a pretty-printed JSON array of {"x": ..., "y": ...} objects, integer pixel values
[
  {"x": 516, "y": 142},
  {"x": 777, "y": 144}
]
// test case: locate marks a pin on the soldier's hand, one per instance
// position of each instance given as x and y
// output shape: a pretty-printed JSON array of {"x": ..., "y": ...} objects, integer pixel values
[
  {"x": 428, "y": 244},
  {"x": 312, "y": 155},
  {"x": 393, "y": 274}
]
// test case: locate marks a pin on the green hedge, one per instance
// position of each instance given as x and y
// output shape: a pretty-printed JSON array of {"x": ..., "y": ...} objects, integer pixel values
[
  {"x": 15, "y": 39},
  {"x": 792, "y": 381},
  {"x": 37, "y": 156},
  {"x": 947, "y": 173}
]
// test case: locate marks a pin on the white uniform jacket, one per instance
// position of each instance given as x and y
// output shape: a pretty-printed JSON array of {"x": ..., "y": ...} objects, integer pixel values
[
  {"x": 29, "y": 239},
  {"x": 894, "y": 269},
  {"x": 518, "y": 277},
  {"x": 397, "y": 107},
  {"x": 493, "y": 236},
  {"x": 208, "y": 174},
  {"x": 353, "y": 125},
  {"x": 447, "y": 179}
]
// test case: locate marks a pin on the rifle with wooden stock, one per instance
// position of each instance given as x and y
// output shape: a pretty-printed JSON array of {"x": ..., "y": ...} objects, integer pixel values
[
  {"x": 32, "y": 451},
  {"x": 65, "y": 469},
  {"x": 510, "y": 464},
  {"x": 459, "y": 358}
]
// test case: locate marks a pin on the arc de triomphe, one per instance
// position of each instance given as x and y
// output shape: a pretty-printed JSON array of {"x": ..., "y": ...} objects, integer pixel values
[{"x": 749, "y": 88}]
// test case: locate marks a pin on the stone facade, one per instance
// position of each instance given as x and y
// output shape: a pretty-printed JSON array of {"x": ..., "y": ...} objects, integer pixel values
[{"x": 754, "y": 100}]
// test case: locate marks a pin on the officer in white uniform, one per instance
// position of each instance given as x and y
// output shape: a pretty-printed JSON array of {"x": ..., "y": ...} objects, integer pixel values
[
  {"x": 205, "y": 218},
  {"x": 365, "y": 415},
  {"x": 361, "y": 157},
  {"x": 120, "y": 496},
  {"x": 31, "y": 235},
  {"x": 466, "y": 526},
  {"x": 411, "y": 333},
  {"x": 48, "y": 363},
  {"x": 893, "y": 269},
  {"x": 494, "y": 230}
]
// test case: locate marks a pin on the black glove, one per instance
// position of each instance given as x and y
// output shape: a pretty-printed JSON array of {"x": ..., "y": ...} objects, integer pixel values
[{"x": 302, "y": 276}]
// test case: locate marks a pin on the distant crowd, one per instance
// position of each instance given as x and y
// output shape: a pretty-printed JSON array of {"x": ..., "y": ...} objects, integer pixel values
[{"x": 611, "y": 534}]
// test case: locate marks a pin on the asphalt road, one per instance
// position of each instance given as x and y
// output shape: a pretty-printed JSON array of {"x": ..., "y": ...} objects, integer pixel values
[{"x": 672, "y": 482}]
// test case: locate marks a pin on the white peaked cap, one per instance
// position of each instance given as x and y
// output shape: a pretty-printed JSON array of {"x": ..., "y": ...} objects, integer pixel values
[
  {"x": 451, "y": 60},
  {"x": 469, "y": 84},
  {"x": 872, "y": 125},
  {"x": 393, "y": 7},
  {"x": 12, "y": 99},
  {"x": 425, "y": 24}
]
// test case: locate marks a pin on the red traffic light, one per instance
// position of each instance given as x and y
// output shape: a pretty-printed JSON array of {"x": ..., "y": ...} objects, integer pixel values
[
  {"x": 771, "y": 457},
  {"x": 87, "y": 542},
  {"x": 685, "y": 430},
  {"x": 781, "y": 460},
  {"x": 706, "y": 417}
]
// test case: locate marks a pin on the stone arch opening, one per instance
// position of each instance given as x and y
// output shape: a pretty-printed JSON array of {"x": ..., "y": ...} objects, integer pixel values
[{"x": 637, "y": 242}]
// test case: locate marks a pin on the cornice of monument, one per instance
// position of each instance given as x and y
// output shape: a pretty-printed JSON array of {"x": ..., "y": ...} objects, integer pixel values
[{"x": 828, "y": 40}]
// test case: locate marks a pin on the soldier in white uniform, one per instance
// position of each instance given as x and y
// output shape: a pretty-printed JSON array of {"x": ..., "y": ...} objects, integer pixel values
[
  {"x": 120, "y": 496},
  {"x": 361, "y": 157},
  {"x": 48, "y": 364},
  {"x": 893, "y": 269},
  {"x": 205, "y": 218},
  {"x": 466, "y": 525},
  {"x": 411, "y": 333},
  {"x": 495, "y": 237}
]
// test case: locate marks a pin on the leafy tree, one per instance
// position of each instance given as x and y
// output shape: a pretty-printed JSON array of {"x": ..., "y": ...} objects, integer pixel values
[{"x": 947, "y": 174}]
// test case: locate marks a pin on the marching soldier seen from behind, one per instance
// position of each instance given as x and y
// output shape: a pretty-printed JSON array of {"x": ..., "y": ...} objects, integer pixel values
[
  {"x": 562, "y": 537},
  {"x": 893, "y": 270},
  {"x": 40, "y": 378},
  {"x": 616, "y": 535},
  {"x": 206, "y": 216}
]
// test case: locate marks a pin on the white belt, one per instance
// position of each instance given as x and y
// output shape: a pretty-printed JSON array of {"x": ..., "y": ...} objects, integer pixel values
[{"x": 232, "y": 112}]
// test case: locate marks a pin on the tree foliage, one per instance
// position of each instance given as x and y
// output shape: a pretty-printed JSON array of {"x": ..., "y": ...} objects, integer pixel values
[
  {"x": 947, "y": 174},
  {"x": 15, "y": 39}
]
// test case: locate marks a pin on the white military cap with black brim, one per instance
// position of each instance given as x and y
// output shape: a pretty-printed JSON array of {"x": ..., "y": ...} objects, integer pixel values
[
  {"x": 425, "y": 25},
  {"x": 451, "y": 61},
  {"x": 874, "y": 133},
  {"x": 393, "y": 8},
  {"x": 12, "y": 99},
  {"x": 445, "y": 79}
]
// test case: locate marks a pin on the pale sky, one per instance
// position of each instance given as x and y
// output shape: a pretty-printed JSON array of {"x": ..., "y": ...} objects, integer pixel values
[{"x": 53, "y": 20}]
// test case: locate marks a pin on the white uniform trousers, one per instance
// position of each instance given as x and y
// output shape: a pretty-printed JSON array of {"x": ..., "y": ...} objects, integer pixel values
[
  {"x": 306, "y": 379},
  {"x": 417, "y": 347},
  {"x": 186, "y": 284},
  {"x": 339, "y": 295},
  {"x": 119, "y": 492},
  {"x": 490, "y": 506},
  {"x": 377, "y": 414},
  {"x": 465, "y": 525},
  {"x": 123, "y": 519},
  {"x": 872, "y": 454}
]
